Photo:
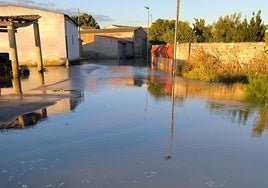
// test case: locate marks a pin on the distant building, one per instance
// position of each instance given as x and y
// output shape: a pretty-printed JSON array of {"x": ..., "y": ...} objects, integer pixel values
[
  {"x": 114, "y": 42},
  {"x": 58, "y": 33}
]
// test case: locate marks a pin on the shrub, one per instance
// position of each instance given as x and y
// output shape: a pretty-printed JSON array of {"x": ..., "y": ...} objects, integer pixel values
[
  {"x": 257, "y": 87},
  {"x": 203, "y": 66}
]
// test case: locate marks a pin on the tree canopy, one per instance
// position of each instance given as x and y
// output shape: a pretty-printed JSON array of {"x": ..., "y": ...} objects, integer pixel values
[
  {"x": 86, "y": 20},
  {"x": 230, "y": 28},
  {"x": 162, "y": 31}
]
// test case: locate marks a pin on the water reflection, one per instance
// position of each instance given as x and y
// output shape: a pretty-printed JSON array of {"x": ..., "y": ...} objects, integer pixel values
[
  {"x": 31, "y": 119},
  {"x": 239, "y": 113},
  {"x": 25, "y": 121},
  {"x": 236, "y": 112},
  {"x": 34, "y": 90},
  {"x": 225, "y": 101},
  {"x": 188, "y": 124},
  {"x": 171, "y": 134},
  {"x": 261, "y": 122}
]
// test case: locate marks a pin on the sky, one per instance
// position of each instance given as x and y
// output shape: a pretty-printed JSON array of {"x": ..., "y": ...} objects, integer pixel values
[{"x": 123, "y": 12}]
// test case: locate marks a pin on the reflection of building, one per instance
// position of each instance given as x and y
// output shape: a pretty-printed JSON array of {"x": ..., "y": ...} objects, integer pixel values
[
  {"x": 186, "y": 88},
  {"x": 31, "y": 119},
  {"x": 58, "y": 33},
  {"x": 114, "y": 42},
  {"x": 63, "y": 106}
]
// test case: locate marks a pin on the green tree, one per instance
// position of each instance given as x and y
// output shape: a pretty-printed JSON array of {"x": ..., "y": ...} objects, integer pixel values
[
  {"x": 225, "y": 29},
  {"x": 242, "y": 32},
  {"x": 162, "y": 31},
  {"x": 86, "y": 20},
  {"x": 202, "y": 32},
  {"x": 231, "y": 29},
  {"x": 256, "y": 28},
  {"x": 185, "y": 32}
]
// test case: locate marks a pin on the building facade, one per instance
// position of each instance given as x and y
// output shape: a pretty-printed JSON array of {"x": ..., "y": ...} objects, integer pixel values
[
  {"x": 131, "y": 41},
  {"x": 58, "y": 35}
]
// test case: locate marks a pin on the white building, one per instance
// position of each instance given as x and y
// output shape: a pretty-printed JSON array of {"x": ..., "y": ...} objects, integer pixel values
[{"x": 58, "y": 34}]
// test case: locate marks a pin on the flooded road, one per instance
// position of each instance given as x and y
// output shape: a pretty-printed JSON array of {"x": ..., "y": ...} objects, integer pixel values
[{"x": 116, "y": 131}]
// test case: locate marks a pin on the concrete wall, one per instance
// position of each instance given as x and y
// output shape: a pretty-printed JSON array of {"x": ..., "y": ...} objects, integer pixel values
[
  {"x": 139, "y": 37},
  {"x": 130, "y": 49},
  {"x": 108, "y": 47},
  {"x": 89, "y": 37},
  {"x": 105, "y": 47},
  {"x": 52, "y": 35},
  {"x": 72, "y": 40}
]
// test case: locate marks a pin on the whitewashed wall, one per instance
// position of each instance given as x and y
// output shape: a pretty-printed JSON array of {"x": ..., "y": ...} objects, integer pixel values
[
  {"x": 72, "y": 40},
  {"x": 105, "y": 47},
  {"x": 52, "y": 35}
]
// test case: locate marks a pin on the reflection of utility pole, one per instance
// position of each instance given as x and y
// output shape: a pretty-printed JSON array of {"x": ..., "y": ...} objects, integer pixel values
[
  {"x": 173, "y": 84},
  {"x": 146, "y": 103},
  {"x": 171, "y": 136}
]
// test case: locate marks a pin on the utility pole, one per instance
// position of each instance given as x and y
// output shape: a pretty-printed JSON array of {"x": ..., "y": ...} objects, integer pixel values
[
  {"x": 78, "y": 19},
  {"x": 148, "y": 26},
  {"x": 174, "y": 67}
]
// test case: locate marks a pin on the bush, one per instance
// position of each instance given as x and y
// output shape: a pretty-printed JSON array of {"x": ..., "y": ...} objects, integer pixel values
[
  {"x": 203, "y": 66},
  {"x": 257, "y": 87}
]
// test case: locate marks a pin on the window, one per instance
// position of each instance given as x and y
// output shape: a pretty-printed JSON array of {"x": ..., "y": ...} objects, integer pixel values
[{"x": 72, "y": 40}]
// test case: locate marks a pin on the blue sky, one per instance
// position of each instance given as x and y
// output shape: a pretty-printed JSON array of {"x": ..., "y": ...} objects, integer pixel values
[{"x": 125, "y": 12}]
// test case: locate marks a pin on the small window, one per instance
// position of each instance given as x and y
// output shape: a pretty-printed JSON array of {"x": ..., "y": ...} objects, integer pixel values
[{"x": 72, "y": 40}]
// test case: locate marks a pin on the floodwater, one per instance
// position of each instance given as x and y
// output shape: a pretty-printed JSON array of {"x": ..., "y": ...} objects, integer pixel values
[{"x": 126, "y": 130}]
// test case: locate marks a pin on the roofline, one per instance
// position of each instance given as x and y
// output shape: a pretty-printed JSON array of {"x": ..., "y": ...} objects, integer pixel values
[
  {"x": 42, "y": 9},
  {"x": 32, "y": 7},
  {"x": 115, "y": 38},
  {"x": 67, "y": 16},
  {"x": 109, "y": 30}
]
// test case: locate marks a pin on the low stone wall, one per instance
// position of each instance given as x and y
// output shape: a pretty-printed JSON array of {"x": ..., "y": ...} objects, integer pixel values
[{"x": 240, "y": 53}]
